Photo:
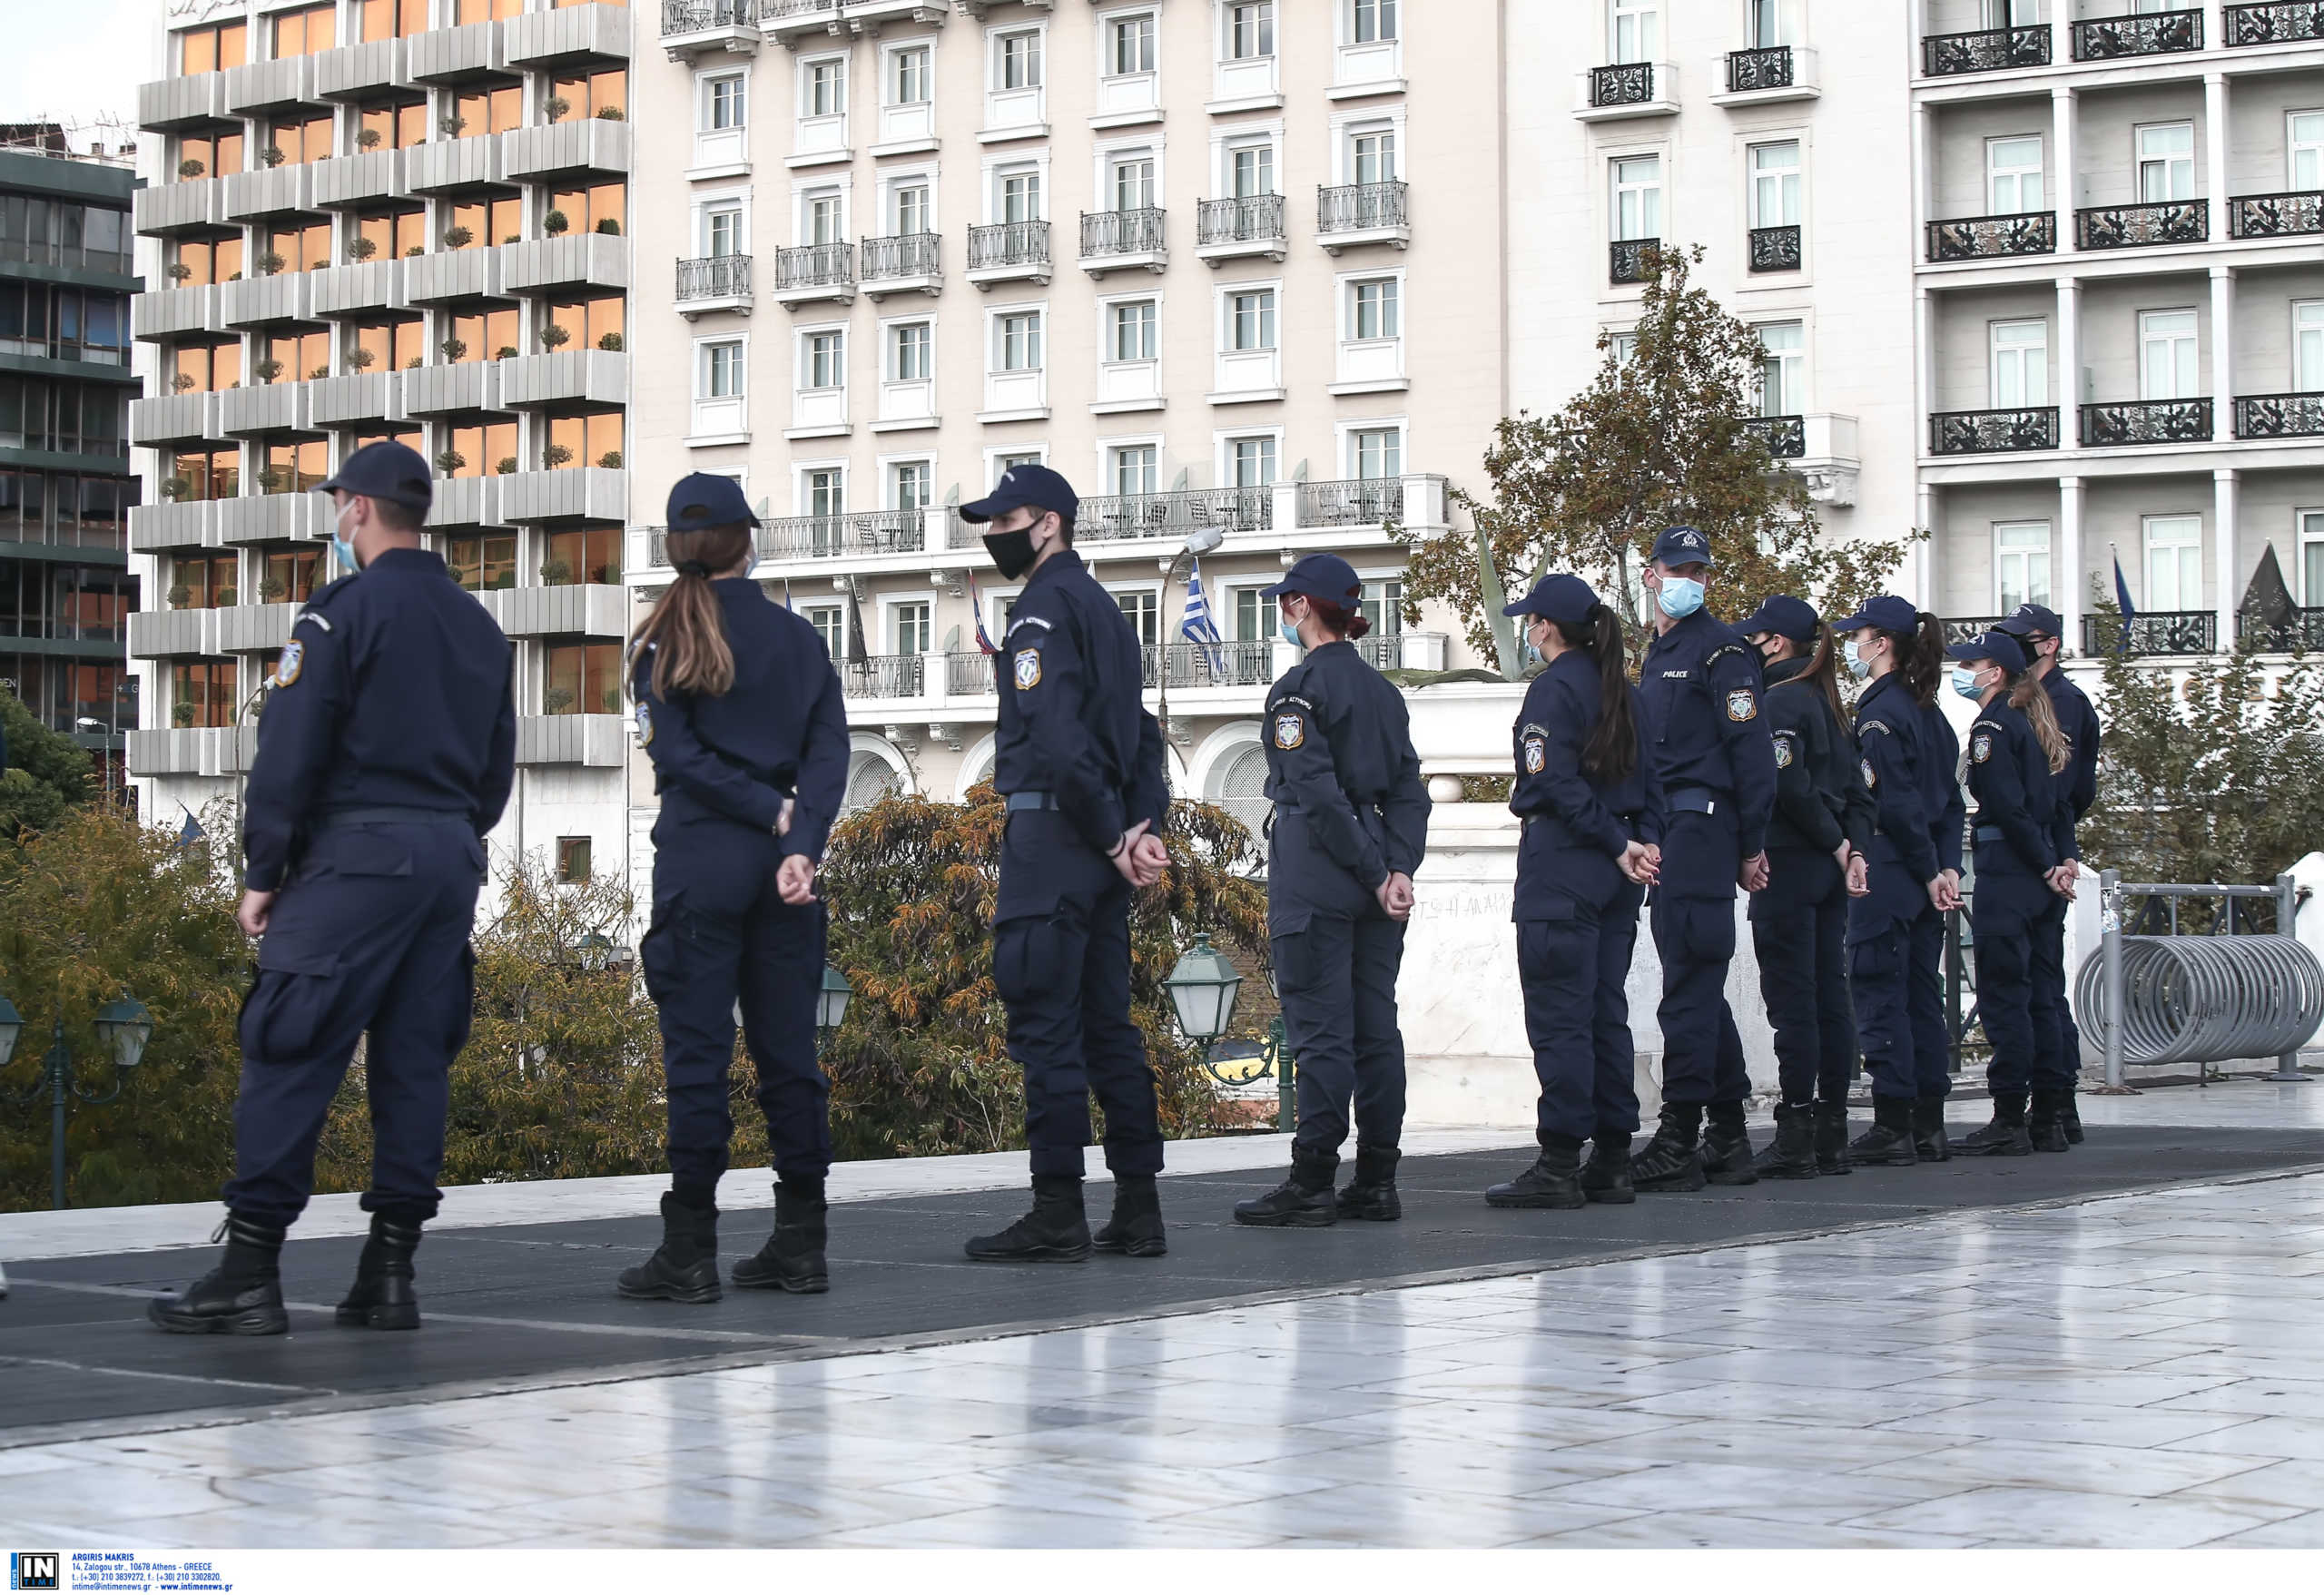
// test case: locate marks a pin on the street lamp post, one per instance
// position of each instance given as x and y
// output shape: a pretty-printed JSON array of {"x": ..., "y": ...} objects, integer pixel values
[
  {"x": 123, "y": 1027},
  {"x": 831, "y": 1006},
  {"x": 1199, "y": 541},
  {"x": 1202, "y": 990}
]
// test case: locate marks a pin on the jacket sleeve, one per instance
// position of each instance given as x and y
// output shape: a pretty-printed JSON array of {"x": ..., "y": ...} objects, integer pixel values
[
  {"x": 500, "y": 759},
  {"x": 2003, "y": 801},
  {"x": 1801, "y": 746},
  {"x": 2086, "y": 743},
  {"x": 1751, "y": 752},
  {"x": 1051, "y": 683},
  {"x": 1302, "y": 757},
  {"x": 682, "y": 758},
  {"x": 1950, "y": 823},
  {"x": 1149, "y": 797},
  {"x": 1896, "y": 798},
  {"x": 1650, "y": 818},
  {"x": 1858, "y": 813},
  {"x": 296, "y": 733},
  {"x": 1405, "y": 811},
  {"x": 822, "y": 785},
  {"x": 1549, "y": 740}
]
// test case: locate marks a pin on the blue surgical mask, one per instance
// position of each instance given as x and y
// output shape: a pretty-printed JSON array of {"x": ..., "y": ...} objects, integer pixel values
[
  {"x": 342, "y": 547},
  {"x": 1964, "y": 682},
  {"x": 1290, "y": 634},
  {"x": 1859, "y": 666},
  {"x": 1533, "y": 654},
  {"x": 1679, "y": 597}
]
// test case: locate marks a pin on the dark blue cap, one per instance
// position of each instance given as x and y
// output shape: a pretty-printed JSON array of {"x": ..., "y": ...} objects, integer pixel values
[
  {"x": 702, "y": 501},
  {"x": 1023, "y": 485},
  {"x": 1996, "y": 646},
  {"x": 1557, "y": 597},
  {"x": 2027, "y": 619},
  {"x": 1784, "y": 616},
  {"x": 1320, "y": 576},
  {"x": 1683, "y": 545},
  {"x": 1888, "y": 611},
  {"x": 386, "y": 469}
]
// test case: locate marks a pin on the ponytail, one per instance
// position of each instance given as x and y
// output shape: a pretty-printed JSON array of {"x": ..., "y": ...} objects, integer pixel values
[
  {"x": 1920, "y": 657},
  {"x": 2026, "y": 696},
  {"x": 686, "y": 627},
  {"x": 1823, "y": 672},
  {"x": 1612, "y": 752}
]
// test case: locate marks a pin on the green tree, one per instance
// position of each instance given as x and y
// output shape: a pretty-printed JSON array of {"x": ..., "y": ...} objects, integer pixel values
[
  {"x": 1661, "y": 437},
  {"x": 47, "y": 772}
]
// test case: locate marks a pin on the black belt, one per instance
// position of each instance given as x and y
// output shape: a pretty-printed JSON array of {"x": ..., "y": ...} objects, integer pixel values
[
  {"x": 1692, "y": 800},
  {"x": 337, "y": 818},
  {"x": 1020, "y": 801},
  {"x": 1991, "y": 833}
]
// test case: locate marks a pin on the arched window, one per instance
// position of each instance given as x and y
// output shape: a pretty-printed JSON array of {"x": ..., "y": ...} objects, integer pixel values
[
  {"x": 1240, "y": 782},
  {"x": 870, "y": 778}
]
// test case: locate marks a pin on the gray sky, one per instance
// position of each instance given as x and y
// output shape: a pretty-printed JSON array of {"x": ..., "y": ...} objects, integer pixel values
[{"x": 74, "y": 59}]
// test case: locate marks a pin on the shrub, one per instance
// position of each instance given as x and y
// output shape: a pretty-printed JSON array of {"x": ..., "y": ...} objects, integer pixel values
[
  {"x": 556, "y": 700},
  {"x": 181, "y": 382},
  {"x": 270, "y": 590},
  {"x": 506, "y": 351},
  {"x": 191, "y": 167},
  {"x": 609, "y": 461},
  {"x": 319, "y": 372},
  {"x": 555, "y": 222},
  {"x": 368, "y": 139},
  {"x": 267, "y": 370},
  {"x": 458, "y": 238},
  {"x": 361, "y": 248},
  {"x": 269, "y": 264},
  {"x": 557, "y": 456},
  {"x": 269, "y": 480},
  {"x": 180, "y": 271},
  {"x": 361, "y": 358},
  {"x": 452, "y": 126},
  {"x": 611, "y": 341},
  {"x": 556, "y": 573},
  {"x": 413, "y": 251},
  {"x": 554, "y": 336},
  {"x": 505, "y": 465},
  {"x": 450, "y": 460},
  {"x": 270, "y": 157},
  {"x": 228, "y": 598},
  {"x": 175, "y": 488},
  {"x": 180, "y": 595},
  {"x": 555, "y": 106},
  {"x": 182, "y": 714},
  {"x": 611, "y": 114},
  {"x": 412, "y": 364},
  {"x": 611, "y": 226},
  {"x": 513, "y": 238},
  {"x": 455, "y": 349}
]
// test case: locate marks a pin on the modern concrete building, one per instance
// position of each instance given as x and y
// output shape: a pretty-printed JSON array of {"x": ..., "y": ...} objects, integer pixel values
[{"x": 388, "y": 218}]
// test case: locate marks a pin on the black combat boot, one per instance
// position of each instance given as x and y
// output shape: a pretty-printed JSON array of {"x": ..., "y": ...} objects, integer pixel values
[
  {"x": 1929, "y": 1141},
  {"x": 1136, "y": 1228},
  {"x": 1726, "y": 1148},
  {"x": 382, "y": 1296},
  {"x": 2005, "y": 1136},
  {"x": 1553, "y": 1181},
  {"x": 1673, "y": 1161},
  {"x": 685, "y": 1268},
  {"x": 1606, "y": 1178},
  {"x": 1792, "y": 1154},
  {"x": 1304, "y": 1201},
  {"x": 2045, "y": 1126},
  {"x": 1371, "y": 1193},
  {"x": 1056, "y": 1231},
  {"x": 241, "y": 1295},
  {"x": 792, "y": 1257},
  {"x": 2070, "y": 1115},
  {"x": 1888, "y": 1144},
  {"x": 1832, "y": 1138}
]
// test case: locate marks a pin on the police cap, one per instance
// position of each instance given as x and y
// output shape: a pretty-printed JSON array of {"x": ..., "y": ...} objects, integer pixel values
[
  {"x": 1026, "y": 485},
  {"x": 1557, "y": 597},
  {"x": 1320, "y": 576},
  {"x": 1680, "y": 545},
  {"x": 1887, "y": 612},
  {"x": 1784, "y": 616},
  {"x": 1996, "y": 646},
  {"x": 702, "y": 501},
  {"x": 385, "y": 469},
  {"x": 2030, "y": 620}
]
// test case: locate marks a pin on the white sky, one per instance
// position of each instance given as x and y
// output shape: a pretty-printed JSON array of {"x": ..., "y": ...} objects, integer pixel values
[{"x": 73, "y": 60}]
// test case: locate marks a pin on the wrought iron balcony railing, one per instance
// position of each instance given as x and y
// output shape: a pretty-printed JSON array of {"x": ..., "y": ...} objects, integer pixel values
[
  {"x": 2145, "y": 421},
  {"x": 827, "y": 537},
  {"x": 2280, "y": 415},
  {"x": 967, "y": 675},
  {"x": 1775, "y": 249},
  {"x": 2153, "y": 32},
  {"x": 1626, "y": 260},
  {"x": 908, "y": 254},
  {"x": 815, "y": 265},
  {"x": 883, "y": 675},
  {"x": 1993, "y": 431},
  {"x": 1968, "y": 628},
  {"x": 1750, "y": 70},
  {"x": 715, "y": 277},
  {"x": 1121, "y": 232},
  {"x": 2300, "y": 632},
  {"x": 1985, "y": 50},
  {"x": 1983, "y": 238},
  {"x": 1165, "y": 515},
  {"x": 2161, "y": 630},
  {"x": 2123, "y": 227},
  {"x": 2274, "y": 22},
  {"x": 1253, "y": 219},
  {"x": 1009, "y": 243},
  {"x": 1366, "y": 502},
  {"x": 695, "y": 17},
  {"x": 1786, "y": 436},
  {"x": 1202, "y": 665},
  {"x": 2276, "y": 215},
  {"x": 1360, "y": 207},
  {"x": 1629, "y": 84},
  {"x": 1400, "y": 650}
]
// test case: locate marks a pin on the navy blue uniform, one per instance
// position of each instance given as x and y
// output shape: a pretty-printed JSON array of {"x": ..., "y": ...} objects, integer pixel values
[
  {"x": 2076, "y": 789},
  {"x": 1716, "y": 764},
  {"x": 1896, "y": 934},
  {"x": 2014, "y": 905},
  {"x": 721, "y": 935},
  {"x": 1080, "y": 761},
  {"x": 1576, "y": 912},
  {"x": 1799, "y": 923},
  {"x": 386, "y": 752},
  {"x": 1350, "y": 810}
]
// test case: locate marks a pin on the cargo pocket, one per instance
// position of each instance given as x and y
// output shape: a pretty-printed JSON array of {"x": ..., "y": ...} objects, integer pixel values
[
  {"x": 1293, "y": 953},
  {"x": 1026, "y": 954},
  {"x": 289, "y": 1009},
  {"x": 663, "y": 947},
  {"x": 1876, "y": 958}
]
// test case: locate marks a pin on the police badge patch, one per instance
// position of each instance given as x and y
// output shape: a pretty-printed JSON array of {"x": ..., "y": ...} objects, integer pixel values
[
  {"x": 1783, "y": 753},
  {"x": 645, "y": 726},
  {"x": 1870, "y": 779},
  {"x": 1537, "y": 754},
  {"x": 1290, "y": 731},
  {"x": 1742, "y": 706},
  {"x": 1982, "y": 747},
  {"x": 293, "y": 661},
  {"x": 1029, "y": 669}
]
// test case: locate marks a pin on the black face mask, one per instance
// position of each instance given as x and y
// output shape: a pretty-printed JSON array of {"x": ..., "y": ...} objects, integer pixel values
[{"x": 1012, "y": 551}]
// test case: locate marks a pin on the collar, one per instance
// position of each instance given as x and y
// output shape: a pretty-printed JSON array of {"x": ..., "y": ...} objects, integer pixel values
[
  {"x": 1777, "y": 671},
  {"x": 1874, "y": 688},
  {"x": 1580, "y": 662},
  {"x": 1054, "y": 569},
  {"x": 417, "y": 560}
]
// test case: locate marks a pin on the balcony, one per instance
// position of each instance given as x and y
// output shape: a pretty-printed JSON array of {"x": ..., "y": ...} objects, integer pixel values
[
  {"x": 283, "y": 84},
  {"x": 595, "y": 742},
  {"x": 1371, "y": 502},
  {"x": 795, "y": 22},
  {"x": 1772, "y": 73},
  {"x": 814, "y": 271},
  {"x": 177, "y": 104},
  {"x": 2127, "y": 227},
  {"x": 456, "y": 55},
  {"x": 1008, "y": 251},
  {"x": 261, "y": 301},
  {"x": 2277, "y": 22},
  {"x": 1631, "y": 88},
  {"x": 1232, "y": 510},
  {"x": 445, "y": 276},
  {"x": 2279, "y": 415},
  {"x": 2155, "y": 32},
  {"x": 1357, "y": 213},
  {"x": 1775, "y": 249},
  {"x": 694, "y": 28},
  {"x": 256, "y": 628},
  {"x": 172, "y": 312},
  {"x": 910, "y": 262},
  {"x": 2145, "y": 422},
  {"x": 339, "y": 401},
  {"x": 1986, "y": 238},
  {"x": 173, "y": 417},
  {"x": 969, "y": 675},
  {"x": 1627, "y": 259},
  {"x": 465, "y": 501},
  {"x": 556, "y": 265},
  {"x": 369, "y": 290},
  {"x": 569, "y": 377},
  {"x": 2300, "y": 632},
  {"x": 1785, "y": 436},
  {"x": 368, "y": 179},
  {"x": 1985, "y": 50},
  {"x": 583, "y": 148},
  {"x": 884, "y": 676},
  {"x": 1121, "y": 241},
  {"x": 1226, "y": 229},
  {"x": 835, "y": 536},
  {"x": 2180, "y": 632},
  {"x": 585, "y": 609},
  {"x": 452, "y": 389},
  {"x": 578, "y": 492},
  {"x": 1195, "y": 665},
  {"x": 2275, "y": 215},
  {"x": 573, "y": 36},
  {"x": 1403, "y": 650},
  {"x": 171, "y": 526},
  {"x": 282, "y": 517},
  {"x": 361, "y": 72},
  {"x": 218, "y": 750},
  {"x": 279, "y": 406},
  {"x": 166, "y": 634},
  {"x": 716, "y": 282},
  {"x": 253, "y": 196},
  {"x": 450, "y": 166},
  {"x": 196, "y": 204},
  {"x": 1993, "y": 431}
]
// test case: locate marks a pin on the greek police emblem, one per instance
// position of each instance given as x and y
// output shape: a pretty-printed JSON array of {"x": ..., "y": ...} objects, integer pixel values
[
  {"x": 1742, "y": 706},
  {"x": 1290, "y": 730},
  {"x": 1029, "y": 669},
  {"x": 1982, "y": 747},
  {"x": 1870, "y": 779},
  {"x": 1537, "y": 753},
  {"x": 645, "y": 726},
  {"x": 1783, "y": 753},
  {"x": 293, "y": 661}
]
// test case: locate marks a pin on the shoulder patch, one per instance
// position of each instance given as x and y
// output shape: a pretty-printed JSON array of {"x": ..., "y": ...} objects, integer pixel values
[
  {"x": 293, "y": 661},
  {"x": 1290, "y": 730},
  {"x": 1981, "y": 746},
  {"x": 1531, "y": 729},
  {"x": 1783, "y": 750},
  {"x": 1742, "y": 704},
  {"x": 1537, "y": 750},
  {"x": 1022, "y": 621},
  {"x": 1295, "y": 700},
  {"x": 1723, "y": 650},
  {"x": 1871, "y": 776},
  {"x": 1028, "y": 666},
  {"x": 644, "y": 725},
  {"x": 308, "y": 614},
  {"x": 1879, "y": 725}
]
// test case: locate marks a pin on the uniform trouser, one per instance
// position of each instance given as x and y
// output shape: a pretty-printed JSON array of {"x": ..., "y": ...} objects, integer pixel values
[
  {"x": 1577, "y": 1018},
  {"x": 721, "y": 936},
  {"x": 1898, "y": 978},
  {"x": 2052, "y": 1010},
  {"x": 370, "y": 934},
  {"x": 2023, "y": 1029},
  {"x": 1337, "y": 982},
  {"x": 1064, "y": 977},
  {"x": 1799, "y": 930}
]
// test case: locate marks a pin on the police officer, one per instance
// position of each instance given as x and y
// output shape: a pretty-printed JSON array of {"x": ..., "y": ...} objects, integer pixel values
[
  {"x": 1815, "y": 865},
  {"x": 1079, "y": 762},
  {"x": 741, "y": 712},
  {"x": 1711, "y": 752},
  {"x": 2015, "y": 752},
  {"x": 1351, "y": 823},
  {"x": 2038, "y": 630},
  {"x": 386, "y": 752},
  {"x": 1583, "y": 788},
  {"x": 1897, "y": 931}
]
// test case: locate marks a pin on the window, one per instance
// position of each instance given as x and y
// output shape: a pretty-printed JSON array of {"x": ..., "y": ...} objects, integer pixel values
[
  {"x": 1635, "y": 29},
  {"x": 2166, "y": 354},
  {"x": 913, "y": 215},
  {"x": 590, "y": 555},
  {"x": 2020, "y": 564},
  {"x": 1132, "y": 183},
  {"x": 206, "y": 368},
  {"x": 2307, "y": 345},
  {"x": 1017, "y": 60},
  {"x": 1130, "y": 45},
  {"x": 823, "y": 217},
  {"x": 1775, "y": 184},
  {"x": 1250, "y": 170},
  {"x": 1637, "y": 197},
  {"x": 1374, "y": 22},
  {"x": 1383, "y": 604},
  {"x": 300, "y": 249},
  {"x": 2304, "y": 145},
  {"x": 2166, "y": 158},
  {"x": 1143, "y": 610},
  {"x": 391, "y": 234},
  {"x": 1017, "y": 340},
  {"x": 572, "y": 860},
  {"x": 216, "y": 154},
  {"x": 576, "y": 441},
  {"x": 581, "y": 678},
  {"x": 2174, "y": 562},
  {"x": 1623, "y": 347},
  {"x": 725, "y": 106},
  {"x": 2021, "y": 365},
  {"x": 1375, "y": 309},
  {"x": 293, "y": 357},
  {"x": 308, "y": 31},
  {"x": 721, "y": 370},
  {"x": 1250, "y": 29},
  {"x": 205, "y": 580},
  {"x": 823, "y": 360},
  {"x": 1133, "y": 469},
  {"x": 293, "y": 468},
  {"x": 910, "y": 484},
  {"x": 1371, "y": 156},
  {"x": 465, "y": 12},
  {"x": 482, "y": 562},
  {"x": 211, "y": 261},
  {"x": 1134, "y": 327},
  {"x": 594, "y": 94},
  {"x": 2312, "y": 557},
  {"x": 201, "y": 691},
  {"x": 2012, "y": 176},
  {"x": 476, "y": 451},
  {"x": 391, "y": 127},
  {"x": 602, "y": 209},
  {"x": 722, "y": 230},
  {"x": 485, "y": 111},
  {"x": 2009, "y": 14},
  {"x": 488, "y": 335},
  {"x": 909, "y": 81},
  {"x": 1783, "y": 368},
  {"x": 485, "y": 222},
  {"x": 825, "y": 88},
  {"x": 822, "y": 492},
  {"x": 212, "y": 49},
  {"x": 1251, "y": 461},
  {"x": 911, "y": 627},
  {"x": 214, "y": 475},
  {"x": 301, "y": 142},
  {"x": 1020, "y": 196},
  {"x": 1771, "y": 24},
  {"x": 911, "y": 352},
  {"x": 1376, "y": 453},
  {"x": 830, "y": 622},
  {"x": 290, "y": 575},
  {"x": 389, "y": 19},
  {"x": 1250, "y": 320}
]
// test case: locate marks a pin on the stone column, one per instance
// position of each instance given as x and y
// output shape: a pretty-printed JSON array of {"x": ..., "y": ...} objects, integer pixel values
[
  {"x": 2226, "y": 505},
  {"x": 2068, "y": 589},
  {"x": 2215, "y": 135}
]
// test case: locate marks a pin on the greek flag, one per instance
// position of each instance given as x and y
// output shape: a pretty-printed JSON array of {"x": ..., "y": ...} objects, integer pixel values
[
  {"x": 190, "y": 831},
  {"x": 976, "y": 601},
  {"x": 2122, "y": 599},
  {"x": 1197, "y": 627}
]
